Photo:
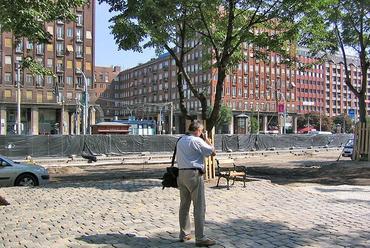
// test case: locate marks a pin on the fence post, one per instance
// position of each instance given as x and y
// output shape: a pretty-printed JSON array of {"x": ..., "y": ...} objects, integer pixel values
[
  {"x": 362, "y": 140},
  {"x": 210, "y": 162}
]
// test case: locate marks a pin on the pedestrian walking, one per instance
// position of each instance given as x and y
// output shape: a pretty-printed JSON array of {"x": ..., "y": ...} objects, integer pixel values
[{"x": 191, "y": 151}]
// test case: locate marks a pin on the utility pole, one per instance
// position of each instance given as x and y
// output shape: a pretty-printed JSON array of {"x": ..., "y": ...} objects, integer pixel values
[
  {"x": 18, "y": 82},
  {"x": 86, "y": 107}
]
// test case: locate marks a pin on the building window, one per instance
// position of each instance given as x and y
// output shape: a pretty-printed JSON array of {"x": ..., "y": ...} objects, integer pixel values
[
  {"x": 50, "y": 47},
  {"x": 49, "y": 80},
  {"x": 88, "y": 50},
  {"x": 8, "y": 60},
  {"x": 60, "y": 80},
  {"x": 8, "y": 78},
  {"x": 79, "y": 82},
  {"x": 234, "y": 91},
  {"x": 40, "y": 49},
  {"x": 19, "y": 47},
  {"x": 49, "y": 63},
  {"x": 39, "y": 80},
  {"x": 88, "y": 35},
  {"x": 29, "y": 45},
  {"x": 70, "y": 32},
  {"x": 8, "y": 42},
  {"x": 79, "y": 51},
  {"x": 69, "y": 64},
  {"x": 29, "y": 79},
  {"x": 79, "y": 20},
  {"x": 60, "y": 66},
  {"x": 29, "y": 94},
  {"x": 79, "y": 34},
  {"x": 60, "y": 49},
  {"x": 7, "y": 93},
  {"x": 69, "y": 81},
  {"x": 60, "y": 32}
]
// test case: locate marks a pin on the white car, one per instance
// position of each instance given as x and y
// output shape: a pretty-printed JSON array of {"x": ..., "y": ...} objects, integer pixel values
[
  {"x": 14, "y": 173},
  {"x": 348, "y": 149}
]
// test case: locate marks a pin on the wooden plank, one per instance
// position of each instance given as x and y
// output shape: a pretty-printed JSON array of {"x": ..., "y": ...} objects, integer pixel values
[
  {"x": 362, "y": 140},
  {"x": 366, "y": 138},
  {"x": 357, "y": 141},
  {"x": 367, "y": 141},
  {"x": 368, "y": 150}
]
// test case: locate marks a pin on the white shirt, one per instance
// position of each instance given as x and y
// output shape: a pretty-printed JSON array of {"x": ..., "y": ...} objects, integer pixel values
[{"x": 191, "y": 151}]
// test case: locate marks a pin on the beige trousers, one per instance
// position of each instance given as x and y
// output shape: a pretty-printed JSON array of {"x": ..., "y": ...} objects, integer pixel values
[{"x": 191, "y": 186}]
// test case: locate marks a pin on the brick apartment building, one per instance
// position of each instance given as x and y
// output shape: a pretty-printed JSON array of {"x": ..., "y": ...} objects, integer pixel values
[
  {"x": 70, "y": 55},
  {"x": 254, "y": 89},
  {"x": 338, "y": 97},
  {"x": 105, "y": 79}
]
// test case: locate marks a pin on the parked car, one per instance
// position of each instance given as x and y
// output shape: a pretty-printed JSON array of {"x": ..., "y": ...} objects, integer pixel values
[
  {"x": 14, "y": 173},
  {"x": 348, "y": 149}
]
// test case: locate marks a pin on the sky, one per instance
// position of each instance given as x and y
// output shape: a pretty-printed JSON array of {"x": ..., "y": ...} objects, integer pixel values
[{"x": 106, "y": 50}]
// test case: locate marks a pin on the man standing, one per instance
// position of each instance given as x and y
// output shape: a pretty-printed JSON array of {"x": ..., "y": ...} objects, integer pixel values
[{"x": 191, "y": 150}]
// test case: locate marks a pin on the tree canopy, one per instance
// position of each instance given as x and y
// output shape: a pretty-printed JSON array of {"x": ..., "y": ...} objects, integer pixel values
[
  {"x": 335, "y": 26},
  {"x": 218, "y": 28}
]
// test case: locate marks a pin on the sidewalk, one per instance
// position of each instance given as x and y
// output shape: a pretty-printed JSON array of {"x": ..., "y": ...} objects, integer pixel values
[{"x": 138, "y": 213}]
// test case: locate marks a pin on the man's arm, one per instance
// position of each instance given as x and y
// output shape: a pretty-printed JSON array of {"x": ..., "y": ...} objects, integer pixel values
[{"x": 205, "y": 138}]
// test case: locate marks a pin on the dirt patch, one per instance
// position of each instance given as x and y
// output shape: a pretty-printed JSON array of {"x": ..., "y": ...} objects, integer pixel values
[
  {"x": 314, "y": 170},
  {"x": 282, "y": 168}
]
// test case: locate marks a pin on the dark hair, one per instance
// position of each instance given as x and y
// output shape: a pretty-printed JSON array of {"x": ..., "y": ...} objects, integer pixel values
[{"x": 195, "y": 125}]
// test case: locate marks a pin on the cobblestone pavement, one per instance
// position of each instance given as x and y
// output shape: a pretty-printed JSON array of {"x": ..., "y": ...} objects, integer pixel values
[{"x": 138, "y": 213}]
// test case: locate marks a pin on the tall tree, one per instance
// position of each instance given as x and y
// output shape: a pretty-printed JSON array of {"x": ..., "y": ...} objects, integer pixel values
[
  {"x": 339, "y": 25},
  {"x": 220, "y": 27}
]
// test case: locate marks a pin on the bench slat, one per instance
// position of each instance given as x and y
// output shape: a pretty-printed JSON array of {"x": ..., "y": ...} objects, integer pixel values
[{"x": 227, "y": 169}]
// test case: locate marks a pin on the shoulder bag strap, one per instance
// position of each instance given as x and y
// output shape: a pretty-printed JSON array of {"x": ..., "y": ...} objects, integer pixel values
[{"x": 174, "y": 153}]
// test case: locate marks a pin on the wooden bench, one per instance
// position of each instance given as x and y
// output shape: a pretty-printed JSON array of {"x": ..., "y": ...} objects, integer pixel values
[{"x": 226, "y": 168}]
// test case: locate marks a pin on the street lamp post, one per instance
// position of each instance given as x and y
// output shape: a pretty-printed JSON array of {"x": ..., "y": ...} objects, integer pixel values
[
  {"x": 171, "y": 118},
  {"x": 320, "y": 114},
  {"x": 62, "y": 116},
  {"x": 78, "y": 111},
  {"x": 285, "y": 113},
  {"x": 18, "y": 82},
  {"x": 258, "y": 118},
  {"x": 86, "y": 107}
]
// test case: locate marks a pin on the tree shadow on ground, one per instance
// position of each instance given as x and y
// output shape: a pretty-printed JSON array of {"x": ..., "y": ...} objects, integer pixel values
[
  {"x": 102, "y": 174},
  {"x": 132, "y": 185},
  {"x": 239, "y": 233}
]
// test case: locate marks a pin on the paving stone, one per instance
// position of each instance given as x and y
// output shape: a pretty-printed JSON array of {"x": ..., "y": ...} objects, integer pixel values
[{"x": 125, "y": 213}]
